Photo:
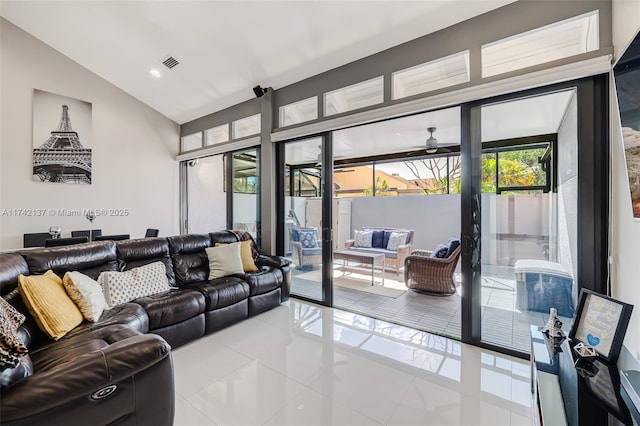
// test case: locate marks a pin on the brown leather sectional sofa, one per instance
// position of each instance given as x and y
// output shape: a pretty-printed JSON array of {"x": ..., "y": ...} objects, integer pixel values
[{"x": 119, "y": 369}]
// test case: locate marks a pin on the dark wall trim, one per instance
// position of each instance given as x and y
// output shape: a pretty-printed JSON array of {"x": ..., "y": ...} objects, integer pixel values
[
  {"x": 593, "y": 184},
  {"x": 227, "y": 115}
]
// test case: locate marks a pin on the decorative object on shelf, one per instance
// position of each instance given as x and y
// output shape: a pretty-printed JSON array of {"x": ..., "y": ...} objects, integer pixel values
[
  {"x": 585, "y": 351},
  {"x": 553, "y": 327},
  {"x": 584, "y": 363},
  {"x": 55, "y": 232},
  {"x": 601, "y": 323},
  {"x": 91, "y": 216}
]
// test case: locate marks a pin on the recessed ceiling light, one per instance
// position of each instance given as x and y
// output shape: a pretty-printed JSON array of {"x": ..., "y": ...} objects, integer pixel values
[{"x": 154, "y": 72}]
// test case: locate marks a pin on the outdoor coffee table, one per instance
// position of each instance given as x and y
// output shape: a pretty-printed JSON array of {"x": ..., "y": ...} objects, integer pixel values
[{"x": 366, "y": 258}]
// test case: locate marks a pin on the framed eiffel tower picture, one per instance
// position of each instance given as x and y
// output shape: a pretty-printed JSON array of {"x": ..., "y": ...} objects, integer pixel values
[{"x": 61, "y": 152}]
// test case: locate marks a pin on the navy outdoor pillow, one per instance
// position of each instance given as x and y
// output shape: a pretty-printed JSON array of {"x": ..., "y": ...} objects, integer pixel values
[
  {"x": 378, "y": 239},
  {"x": 440, "y": 251},
  {"x": 452, "y": 244},
  {"x": 385, "y": 238}
]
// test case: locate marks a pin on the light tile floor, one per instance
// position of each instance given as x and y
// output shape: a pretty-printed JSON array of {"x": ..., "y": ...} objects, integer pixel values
[{"x": 302, "y": 364}]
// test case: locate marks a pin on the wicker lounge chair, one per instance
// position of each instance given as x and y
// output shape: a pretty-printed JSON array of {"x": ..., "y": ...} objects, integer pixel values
[
  {"x": 305, "y": 258},
  {"x": 431, "y": 275}
]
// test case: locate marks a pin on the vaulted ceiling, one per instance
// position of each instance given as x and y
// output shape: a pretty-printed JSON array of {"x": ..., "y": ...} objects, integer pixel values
[{"x": 224, "y": 48}]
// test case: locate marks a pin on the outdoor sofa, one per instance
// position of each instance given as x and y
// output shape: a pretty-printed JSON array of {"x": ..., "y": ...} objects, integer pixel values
[{"x": 379, "y": 240}]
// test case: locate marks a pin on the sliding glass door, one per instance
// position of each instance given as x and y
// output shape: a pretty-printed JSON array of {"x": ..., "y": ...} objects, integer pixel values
[
  {"x": 223, "y": 192},
  {"x": 530, "y": 211},
  {"x": 305, "y": 233}
]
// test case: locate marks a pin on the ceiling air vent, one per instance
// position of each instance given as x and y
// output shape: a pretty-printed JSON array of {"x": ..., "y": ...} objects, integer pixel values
[{"x": 170, "y": 62}]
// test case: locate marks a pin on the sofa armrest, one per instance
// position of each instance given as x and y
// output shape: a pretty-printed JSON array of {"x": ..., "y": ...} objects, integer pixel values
[
  {"x": 272, "y": 261},
  {"x": 79, "y": 378},
  {"x": 422, "y": 252},
  {"x": 404, "y": 250},
  {"x": 349, "y": 243}
]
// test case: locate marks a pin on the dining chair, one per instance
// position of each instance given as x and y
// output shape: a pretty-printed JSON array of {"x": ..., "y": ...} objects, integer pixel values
[
  {"x": 115, "y": 237},
  {"x": 56, "y": 242},
  {"x": 85, "y": 233},
  {"x": 151, "y": 233},
  {"x": 35, "y": 239}
]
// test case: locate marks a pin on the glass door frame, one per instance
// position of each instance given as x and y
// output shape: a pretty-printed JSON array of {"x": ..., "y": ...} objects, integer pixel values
[
  {"x": 593, "y": 197},
  {"x": 326, "y": 233}
]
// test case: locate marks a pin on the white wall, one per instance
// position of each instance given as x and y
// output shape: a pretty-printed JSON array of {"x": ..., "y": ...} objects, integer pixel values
[
  {"x": 434, "y": 218},
  {"x": 133, "y": 146},
  {"x": 625, "y": 232}
]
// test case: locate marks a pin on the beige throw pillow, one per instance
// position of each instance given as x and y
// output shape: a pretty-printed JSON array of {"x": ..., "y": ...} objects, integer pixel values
[
  {"x": 86, "y": 294},
  {"x": 224, "y": 260}
]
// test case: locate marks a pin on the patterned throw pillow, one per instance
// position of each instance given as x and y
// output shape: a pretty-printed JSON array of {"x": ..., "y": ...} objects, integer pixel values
[
  {"x": 49, "y": 305},
  {"x": 396, "y": 239},
  {"x": 308, "y": 238},
  {"x": 363, "y": 239},
  {"x": 122, "y": 287},
  {"x": 86, "y": 294},
  {"x": 11, "y": 346}
]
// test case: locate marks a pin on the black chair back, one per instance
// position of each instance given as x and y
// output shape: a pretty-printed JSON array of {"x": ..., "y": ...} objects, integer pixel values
[
  {"x": 36, "y": 239},
  {"x": 116, "y": 237},
  {"x": 56, "y": 242},
  {"x": 85, "y": 233},
  {"x": 151, "y": 233}
]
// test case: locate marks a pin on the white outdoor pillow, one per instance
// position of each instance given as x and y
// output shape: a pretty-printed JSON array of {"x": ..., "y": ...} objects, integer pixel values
[
  {"x": 122, "y": 287},
  {"x": 363, "y": 239},
  {"x": 224, "y": 260},
  {"x": 396, "y": 239},
  {"x": 86, "y": 294}
]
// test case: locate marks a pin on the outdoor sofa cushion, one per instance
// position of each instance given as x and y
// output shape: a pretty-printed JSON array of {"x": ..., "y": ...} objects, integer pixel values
[{"x": 390, "y": 254}]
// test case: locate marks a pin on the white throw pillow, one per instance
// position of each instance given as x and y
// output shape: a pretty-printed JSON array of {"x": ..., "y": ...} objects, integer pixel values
[
  {"x": 396, "y": 239},
  {"x": 224, "y": 260},
  {"x": 122, "y": 287},
  {"x": 85, "y": 293},
  {"x": 363, "y": 239}
]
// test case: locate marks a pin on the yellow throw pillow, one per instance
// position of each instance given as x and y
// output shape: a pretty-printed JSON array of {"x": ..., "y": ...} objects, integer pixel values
[
  {"x": 48, "y": 302},
  {"x": 245, "y": 254}
]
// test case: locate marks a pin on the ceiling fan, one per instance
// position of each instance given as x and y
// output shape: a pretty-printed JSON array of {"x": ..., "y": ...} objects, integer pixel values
[{"x": 432, "y": 143}]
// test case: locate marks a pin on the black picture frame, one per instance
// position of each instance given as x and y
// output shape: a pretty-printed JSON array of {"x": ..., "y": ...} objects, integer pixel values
[{"x": 601, "y": 321}]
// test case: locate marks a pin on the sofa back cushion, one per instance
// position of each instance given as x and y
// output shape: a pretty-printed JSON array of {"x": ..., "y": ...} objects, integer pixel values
[
  {"x": 143, "y": 251},
  {"x": 244, "y": 236},
  {"x": 11, "y": 265},
  {"x": 90, "y": 259},
  {"x": 190, "y": 262}
]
